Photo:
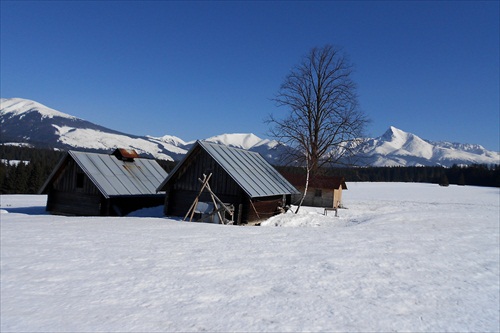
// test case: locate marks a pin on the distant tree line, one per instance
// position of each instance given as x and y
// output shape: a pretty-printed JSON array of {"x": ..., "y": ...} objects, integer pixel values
[
  {"x": 476, "y": 174},
  {"x": 28, "y": 178},
  {"x": 34, "y": 167},
  {"x": 24, "y": 170}
]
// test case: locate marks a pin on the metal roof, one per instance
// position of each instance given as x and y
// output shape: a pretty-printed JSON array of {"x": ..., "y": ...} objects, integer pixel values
[
  {"x": 248, "y": 169},
  {"x": 114, "y": 177},
  {"x": 318, "y": 181}
]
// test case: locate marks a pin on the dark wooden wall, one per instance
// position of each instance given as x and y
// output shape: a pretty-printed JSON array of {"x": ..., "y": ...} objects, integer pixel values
[
  {"x": 184, "y": 189},
  {"x": 123, "y": 205},
  {"x": 67, "y": 180},
  {"x": 65, "y": 197},
  {"x": 69, "y": 203},
  {"x": 200, "y": 163},
  {"x": 262, "y": 208}
]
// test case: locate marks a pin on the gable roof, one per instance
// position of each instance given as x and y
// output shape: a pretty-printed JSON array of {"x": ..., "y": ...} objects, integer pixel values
[
  {"x": 249, "y": 170},
  {"x": 317, "y": 181},
  {"x": 115, "y": 177}
]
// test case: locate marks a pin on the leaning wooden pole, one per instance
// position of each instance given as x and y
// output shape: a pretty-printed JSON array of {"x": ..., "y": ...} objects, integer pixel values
[
  {"x": 215, "y": 205},
  {"x": 195, "y": 202},
  {"x": 216, "y": 200}
]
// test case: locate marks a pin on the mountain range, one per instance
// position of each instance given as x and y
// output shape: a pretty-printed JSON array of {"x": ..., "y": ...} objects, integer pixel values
[{"x": 28, "y": 123}]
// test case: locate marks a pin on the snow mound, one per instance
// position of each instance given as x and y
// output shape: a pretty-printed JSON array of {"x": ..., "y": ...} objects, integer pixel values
[{"x": 307, "y": 217}]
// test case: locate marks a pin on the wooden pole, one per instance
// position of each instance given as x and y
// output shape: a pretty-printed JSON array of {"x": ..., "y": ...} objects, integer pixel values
[
  {"x": 254, "y": 209},
  {"x": 215, "y": 204},
  {"x": 195, "y": 202},
  {"x": 216, "y": 198}
]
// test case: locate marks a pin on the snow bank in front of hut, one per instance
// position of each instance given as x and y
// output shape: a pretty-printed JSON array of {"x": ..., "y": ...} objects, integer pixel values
[{"x": 307, "y": 217}]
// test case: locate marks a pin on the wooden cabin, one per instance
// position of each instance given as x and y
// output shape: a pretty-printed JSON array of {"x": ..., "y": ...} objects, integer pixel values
[
  {"x": 91, "y": 184},
  {"x": 241, "y": 179},
  {"x": 323, "y": 191}
]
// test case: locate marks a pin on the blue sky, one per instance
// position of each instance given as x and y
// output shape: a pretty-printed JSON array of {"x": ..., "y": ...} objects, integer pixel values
[{"x": 202, "y": 68}]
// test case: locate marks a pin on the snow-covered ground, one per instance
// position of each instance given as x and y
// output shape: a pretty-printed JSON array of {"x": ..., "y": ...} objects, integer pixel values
[{"x": 402, "y": 257}]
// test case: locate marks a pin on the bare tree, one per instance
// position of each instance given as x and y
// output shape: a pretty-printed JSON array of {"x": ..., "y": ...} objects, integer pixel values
[{"x": 324, "y": 121}]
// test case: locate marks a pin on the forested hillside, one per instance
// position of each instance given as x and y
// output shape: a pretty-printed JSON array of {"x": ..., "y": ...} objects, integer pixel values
[{"x": 24, "y": 170}]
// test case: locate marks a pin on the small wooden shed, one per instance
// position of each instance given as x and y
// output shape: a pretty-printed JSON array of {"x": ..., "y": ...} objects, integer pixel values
[
  {"x": 239, "y": 178},
  {"x": 92, "y": 184},
  {"x": 323, "y": 191}
]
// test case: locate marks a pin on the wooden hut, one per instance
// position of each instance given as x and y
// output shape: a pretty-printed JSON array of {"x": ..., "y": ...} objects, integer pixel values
[
  {"x": 323, "y": 191},
  {"x": 91, "y": 184},
  {"x": 239, "y": 178}
]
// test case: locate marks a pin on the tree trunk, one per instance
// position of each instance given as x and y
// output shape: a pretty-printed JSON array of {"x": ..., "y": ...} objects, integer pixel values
[{"x": 308, "y": 171}]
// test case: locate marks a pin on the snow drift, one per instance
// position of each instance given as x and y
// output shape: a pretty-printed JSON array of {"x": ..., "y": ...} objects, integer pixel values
[{"x": 402, "y": 257}]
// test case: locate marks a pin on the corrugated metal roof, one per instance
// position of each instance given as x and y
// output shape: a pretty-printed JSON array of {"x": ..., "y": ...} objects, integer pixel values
[
  {"x": 248, "y": 169},
  {"x": 114, "y": 177}
]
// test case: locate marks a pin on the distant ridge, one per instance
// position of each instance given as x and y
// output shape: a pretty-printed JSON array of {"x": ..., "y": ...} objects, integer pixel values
[
  {"x": 25, "y": 122},
  {"x": 398, "y": 148},
  {"x": 29, "y": 123}
]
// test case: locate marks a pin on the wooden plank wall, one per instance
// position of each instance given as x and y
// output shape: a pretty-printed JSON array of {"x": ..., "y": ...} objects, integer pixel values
[
  {"x": 123, "y": 205},
  {"x": 264, "y": 208},
  {"x": 325, "y": 200},
  {"x": 202, "y": 163},
  {"x": 66, "y": 182},
  {"x": 65, "y": 197},
  {"x": 70, "y": 203}
]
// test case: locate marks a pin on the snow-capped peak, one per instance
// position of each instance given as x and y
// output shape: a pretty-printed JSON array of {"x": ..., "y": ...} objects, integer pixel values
[
  {"x": 169, "y": 139},
  {"x": 396, "y": 147},
  {"x": 239, "y": 140},
  {"x": 396, "y": 140},
  {"x": 396, "y": 135},
  {"x": 19, "y": 106}
]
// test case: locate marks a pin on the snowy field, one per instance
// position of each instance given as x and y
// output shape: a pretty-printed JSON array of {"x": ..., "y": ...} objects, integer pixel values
[{"x": 401, "y": 257}]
